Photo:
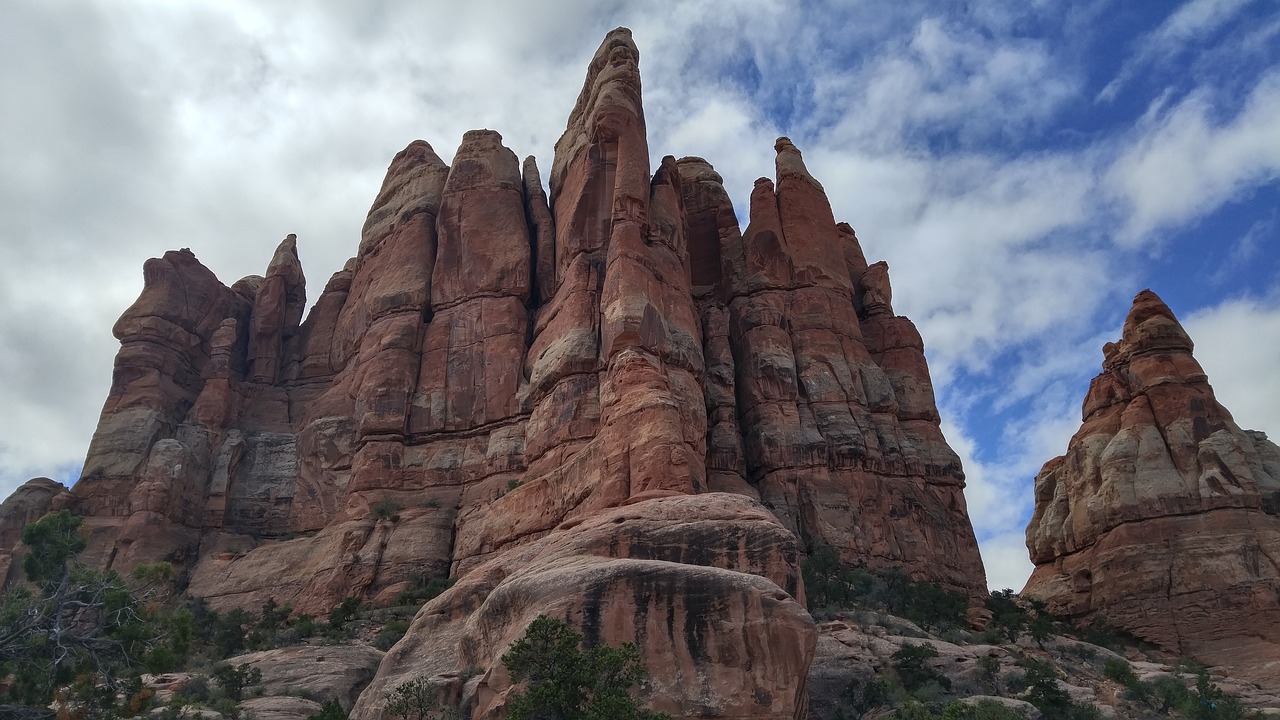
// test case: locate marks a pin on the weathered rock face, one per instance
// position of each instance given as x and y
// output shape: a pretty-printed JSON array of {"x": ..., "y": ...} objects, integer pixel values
[
  {"x": 818, "y": 396},
  {"x": 320, "y": 672},
  {"x": 614, "y": 406},
  {"x": 704, "y": 584},
  {"x": 1163, "y": 515},
  {"x": 27, "y": 504}
]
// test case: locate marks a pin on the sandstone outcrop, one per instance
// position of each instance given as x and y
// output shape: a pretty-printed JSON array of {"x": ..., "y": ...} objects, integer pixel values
[
  {"x": 27, "y": 504},
  {"x": 605, "y": 402},
  {"x": 318, "y": 672},
  {"x": 701, "y": 583},
  {"x": 1163, "y": 516}
]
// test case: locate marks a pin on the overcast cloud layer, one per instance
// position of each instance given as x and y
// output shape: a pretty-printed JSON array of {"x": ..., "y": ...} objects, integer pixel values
[{"x": 1024, "y": 168}]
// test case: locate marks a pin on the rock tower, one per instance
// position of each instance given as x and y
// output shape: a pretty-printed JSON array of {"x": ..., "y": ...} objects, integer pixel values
[
  {"x": 1163, "y": 517},
  {"x": 606, "y": 402}
]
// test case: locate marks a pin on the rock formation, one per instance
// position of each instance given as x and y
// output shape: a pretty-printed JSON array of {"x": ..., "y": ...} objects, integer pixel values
[
  {"x": 1163, "y": 517},
  {"x": 27, "y": 504},
  {"x": 614, "y": 406}
]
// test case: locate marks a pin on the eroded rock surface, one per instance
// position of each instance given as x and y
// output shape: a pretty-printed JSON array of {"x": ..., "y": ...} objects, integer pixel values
[
  {"x": 701, "y": 583},
  {"x": 605, "y": 401},
  {"x": 27, "y": 504},
  {"x": 1162, "y": 515},
  {"x": 317, "y": 672}
]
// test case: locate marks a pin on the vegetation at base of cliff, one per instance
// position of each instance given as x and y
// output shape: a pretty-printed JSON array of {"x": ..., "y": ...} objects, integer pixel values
[
  {"x": 229, "y": 687},
  {"x": 77, "y": 638},
  {"x": 913, "y": 672},
  {"x": 422, "y": 589},
  {"x": 1039, "y": 660},
  {"x": 330, "y": 710},
  {"x": 418, "y": 699},
  {"x": 957, "y": 710},
  {"x": 556, "y": 677},
  {"x": 566, "y": 681},
  {"x": 830, "y": 583},
  {"x": 1169, "y": 696},
  {"x": 1053, "y": 702},
  {"x": 1010, "y": 620}
]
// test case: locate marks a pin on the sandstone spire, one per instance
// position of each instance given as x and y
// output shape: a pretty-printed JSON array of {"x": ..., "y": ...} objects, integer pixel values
[
  {"x": 1162, "y": 515},
  {"x": 615, "y": 405},
  {"x": 277, "y": 311}
]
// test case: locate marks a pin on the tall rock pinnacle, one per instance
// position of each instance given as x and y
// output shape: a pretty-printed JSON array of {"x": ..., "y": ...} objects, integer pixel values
[
  {"x": 613, "y": 405},
  {"x": 1162, "y": 516}
]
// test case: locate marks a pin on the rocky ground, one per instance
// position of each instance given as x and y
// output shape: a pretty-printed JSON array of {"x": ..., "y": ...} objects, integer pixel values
[{"x": 857, "y": 672}]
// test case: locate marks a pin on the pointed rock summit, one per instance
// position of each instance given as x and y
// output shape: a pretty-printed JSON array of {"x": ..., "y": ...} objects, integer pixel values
[
  {"x": 614, "y": 406},
  {"x": 1162, "y": 517}
]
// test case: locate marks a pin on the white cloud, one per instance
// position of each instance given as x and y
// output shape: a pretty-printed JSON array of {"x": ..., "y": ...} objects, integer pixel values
[
  {"x": 944, "y": 79},
  {"x": 1184, "y": 164},
  {"x": 1238, "y": 345},
  {"x": 1192, "y": 21},
  {"x": 1007, "y": 562},
  {"x": 1245, "y": 250}
]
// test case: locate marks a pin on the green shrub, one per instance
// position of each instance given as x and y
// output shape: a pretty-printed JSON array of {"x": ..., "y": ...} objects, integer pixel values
[
  {"x": 1210, "y": 702},
  {"x": 417, "y": 699},
  {"x": 330, "y": 710},
  {"x": 1120, "y": 671},
  {"x": 1050, "y": 699},
  {"x": 863, "y": 696},
  {"x": 909, "y": 662},
  {"x": 567, "y": 682},
  {"x": 194, "y": 689},
  {"x": 385, "y": 510},
  {"x": 342, "y": 614},
  {"x": 1100, "y": 632},
  {"x": 422, "y": 589},
  {"x": 989, "y": 672},
  {"x": 1007, "y": 616},
  {"x": 233, "y": 680},
  {"x": 830, "y": 583},
  {"x": 273, "y": 617},
  {"x": 390, "y": 634},
  {"x": 956, "y": 710},
  {"x": 230, "y": 632}
]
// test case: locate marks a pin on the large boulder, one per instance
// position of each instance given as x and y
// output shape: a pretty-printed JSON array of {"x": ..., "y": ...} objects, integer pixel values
[{"x": 705, "y": 585}]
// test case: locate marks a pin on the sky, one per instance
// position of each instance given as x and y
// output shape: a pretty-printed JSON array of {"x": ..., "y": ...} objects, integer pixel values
[{"x": 1024, "y": 166}]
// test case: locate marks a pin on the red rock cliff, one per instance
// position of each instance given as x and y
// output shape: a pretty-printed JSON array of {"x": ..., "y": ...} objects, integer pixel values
[
  {"x": 1162, "y": 516},
  {"x": 615, "y": 406}
]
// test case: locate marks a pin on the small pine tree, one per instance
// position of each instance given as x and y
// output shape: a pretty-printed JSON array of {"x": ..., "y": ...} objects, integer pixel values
[
  {"x": 330, "y": 710},
  {"x": 566, "y": 682},
  {"x": 909, "y": 663}
]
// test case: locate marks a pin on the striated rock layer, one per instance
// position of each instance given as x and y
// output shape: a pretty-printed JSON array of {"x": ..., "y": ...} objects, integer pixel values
[
  {"x": 613, "y": 405},
  {"x": 1163, "y": 516}
]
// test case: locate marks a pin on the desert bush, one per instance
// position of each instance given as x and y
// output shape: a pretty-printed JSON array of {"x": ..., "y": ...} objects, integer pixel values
[
  {"x": 234, "y": 679},
  {"x": 330, "y": 710},
  {"x": 832, "y": 583},
  {"x": 956, "y": 710},
  {"x": 1050, "y": 699},
  {"x": 390, "y": 634},
  {"x": 566, "y": 681},
  {"x": 422, "y": 589},
  {"x": 910, "y": 664}
]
